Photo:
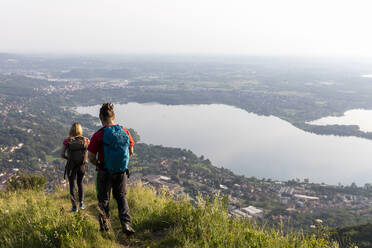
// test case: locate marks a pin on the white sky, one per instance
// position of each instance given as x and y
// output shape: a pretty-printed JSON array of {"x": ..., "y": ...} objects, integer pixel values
[{"x": 259, "y": 27}]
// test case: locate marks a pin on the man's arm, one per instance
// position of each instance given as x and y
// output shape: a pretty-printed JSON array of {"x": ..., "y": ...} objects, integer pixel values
[
  {"x": 131, "y": 142},
  {"x": 92, "y": 158},
  {"x": 131, "y": 151}
]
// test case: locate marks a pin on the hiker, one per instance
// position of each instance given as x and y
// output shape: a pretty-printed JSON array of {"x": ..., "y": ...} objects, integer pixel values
[
  {"x": 77, "y": 159},
  {"x": 109, "y": 150}
]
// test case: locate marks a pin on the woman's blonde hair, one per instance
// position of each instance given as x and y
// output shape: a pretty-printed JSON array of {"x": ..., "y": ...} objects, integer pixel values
[{"x": 76, "y": 130}]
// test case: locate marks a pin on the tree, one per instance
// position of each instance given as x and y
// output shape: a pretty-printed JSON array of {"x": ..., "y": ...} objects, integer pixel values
[
  {"x": 353, "y": 185},
  {"x": 368, "y": 186}
]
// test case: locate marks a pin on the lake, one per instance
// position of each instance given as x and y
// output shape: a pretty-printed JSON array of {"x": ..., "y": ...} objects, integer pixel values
[
  {"x": 247, "y": 143},
  {"x": 359, "y": 117}
]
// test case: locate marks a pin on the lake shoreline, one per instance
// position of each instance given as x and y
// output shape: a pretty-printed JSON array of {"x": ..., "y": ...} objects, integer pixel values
[{"x": 258, "y": 151}]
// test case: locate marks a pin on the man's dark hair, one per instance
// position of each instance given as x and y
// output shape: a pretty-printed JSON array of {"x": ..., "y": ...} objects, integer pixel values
[{"x": 107, "y": 111}]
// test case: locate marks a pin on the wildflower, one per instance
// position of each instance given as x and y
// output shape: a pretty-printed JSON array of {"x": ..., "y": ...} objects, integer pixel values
[
  {"x": 312, "y": 226},
  {"x": 319, "y": 221},
  {"x": 7, "y": 211}
]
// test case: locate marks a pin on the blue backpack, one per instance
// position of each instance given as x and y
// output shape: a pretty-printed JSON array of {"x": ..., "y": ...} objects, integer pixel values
[{"x": 116, "y": 149}]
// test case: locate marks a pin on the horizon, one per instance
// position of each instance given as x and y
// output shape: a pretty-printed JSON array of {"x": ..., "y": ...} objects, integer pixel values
[{"x": 96, "y": 55}]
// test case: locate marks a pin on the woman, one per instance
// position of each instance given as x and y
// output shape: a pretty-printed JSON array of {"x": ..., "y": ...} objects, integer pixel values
[{"x": 76, "y": 147}]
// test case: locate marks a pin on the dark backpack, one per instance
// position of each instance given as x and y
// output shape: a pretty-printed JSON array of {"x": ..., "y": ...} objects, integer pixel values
[{"x": 77, "y": 152}]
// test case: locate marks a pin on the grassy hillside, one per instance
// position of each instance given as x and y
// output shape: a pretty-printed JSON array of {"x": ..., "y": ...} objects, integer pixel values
[{"x": 36, "y": 219}]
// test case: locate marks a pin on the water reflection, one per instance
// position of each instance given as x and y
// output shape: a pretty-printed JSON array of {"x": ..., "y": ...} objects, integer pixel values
[
  {"x": 359, "y": 117},
  {"x": 248, "y": 143}
]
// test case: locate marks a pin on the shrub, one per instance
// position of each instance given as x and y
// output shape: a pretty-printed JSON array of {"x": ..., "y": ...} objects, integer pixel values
[{"x": 22, "y": 181}]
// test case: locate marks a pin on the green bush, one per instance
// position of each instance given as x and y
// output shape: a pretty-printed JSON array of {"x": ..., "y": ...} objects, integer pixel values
[{"x": 22, "y": 181}]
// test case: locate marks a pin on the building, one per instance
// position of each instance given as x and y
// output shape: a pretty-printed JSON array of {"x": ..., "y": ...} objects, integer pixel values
[
  {"x": 240, "y": 214},
  {"x": 305, "y": 197},
  {"x": 253, "y": 211}
]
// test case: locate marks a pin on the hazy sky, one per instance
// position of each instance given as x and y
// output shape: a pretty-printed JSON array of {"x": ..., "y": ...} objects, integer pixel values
[{"x": 259, "y": 27}]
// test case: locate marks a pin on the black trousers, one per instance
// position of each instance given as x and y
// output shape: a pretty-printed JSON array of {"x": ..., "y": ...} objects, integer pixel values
[
  {"x": 76, "y": 174},
  {"x": 118, "y": 184}
]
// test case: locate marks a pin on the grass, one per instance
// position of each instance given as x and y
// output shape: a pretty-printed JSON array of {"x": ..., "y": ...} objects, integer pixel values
[
  {"x": 50, "y": 158},
  {"x": 35, "y": 219}
]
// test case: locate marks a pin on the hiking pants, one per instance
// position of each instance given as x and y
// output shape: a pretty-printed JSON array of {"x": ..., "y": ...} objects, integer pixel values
[
  {"x": 76, "y": 174},
  {"x": 118, "y": 183}
]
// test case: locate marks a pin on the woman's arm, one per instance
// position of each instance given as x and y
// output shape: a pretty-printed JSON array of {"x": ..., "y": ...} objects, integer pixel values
[{"x": 63, "y": 152}]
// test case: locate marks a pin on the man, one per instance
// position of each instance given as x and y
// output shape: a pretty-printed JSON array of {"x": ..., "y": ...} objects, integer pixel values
[{"x": 109, "y": 150}]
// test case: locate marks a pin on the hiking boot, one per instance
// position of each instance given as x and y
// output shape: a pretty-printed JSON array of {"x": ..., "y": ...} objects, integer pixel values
[
  {"x": 82, "y": 206},
  {"x": 74, "y": 209},
  {"x": 104, "y": 223},
  {"x": 127, "y": 229}
]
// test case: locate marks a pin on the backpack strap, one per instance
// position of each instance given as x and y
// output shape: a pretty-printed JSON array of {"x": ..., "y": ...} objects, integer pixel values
[
  {"x": 102, "y": 128},
  {"x": 85, "y": 143}
]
